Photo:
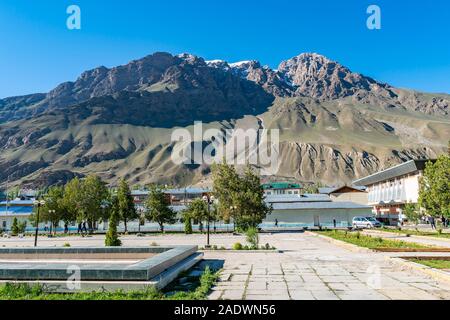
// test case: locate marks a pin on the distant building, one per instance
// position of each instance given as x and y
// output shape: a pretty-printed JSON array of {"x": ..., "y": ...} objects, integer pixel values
[
  {"x": 389, "y": 190},
  {"x": 20, "y": 209},
  {"x": 282, "y": 188},
  {"x": 310, "y": 210},
  {"x": 179, "y": 198},
  {"x": 355, "y": 194}
]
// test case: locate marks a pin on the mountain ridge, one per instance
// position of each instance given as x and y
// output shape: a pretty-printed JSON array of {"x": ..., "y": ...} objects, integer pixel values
[{"x": 335, "y": 124}]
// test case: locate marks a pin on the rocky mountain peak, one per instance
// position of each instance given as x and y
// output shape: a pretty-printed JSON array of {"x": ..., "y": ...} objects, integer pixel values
[{"x": 316, "y": 76}]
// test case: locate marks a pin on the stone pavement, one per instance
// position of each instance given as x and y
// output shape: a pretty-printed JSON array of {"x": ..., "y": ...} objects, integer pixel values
[
  {"x": 312, "y": 268},
  {"x": 308, "y": 268}
]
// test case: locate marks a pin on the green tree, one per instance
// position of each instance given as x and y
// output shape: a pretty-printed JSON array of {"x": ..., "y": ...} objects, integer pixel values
[
  {"x": 158, "y": 208},
  {"x": 226, "y": 183},
  {"x": 127, "y": 210},
  {"x": 434, "y": 192},
  {"x": 93, "y": 193},
  {"x": 72, "y": 198},
  {"x": 239, "y": 197},
  {"x": 53, "y": 211},
  {"x": 15, "y": 227},
  {"x": 187, "y": 220},
  {"x": 198, "y": 210},
  {"x": 112, "y": 238},
  {"x": 412, "y": 213}
]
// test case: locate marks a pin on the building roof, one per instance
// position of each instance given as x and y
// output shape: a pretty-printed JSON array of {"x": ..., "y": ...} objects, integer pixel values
[
  {"x": 319, "y": 205},
  {"x": 340, "y": 189},
  {"x": 281, "y": 185},
  {"x": 173, "y": 191},
  {"x": 291, "y": 198},
  {"x": 19, "y": 211},
  {"x": 393, "y": 172},
  {"x": 16, "y": 203}
]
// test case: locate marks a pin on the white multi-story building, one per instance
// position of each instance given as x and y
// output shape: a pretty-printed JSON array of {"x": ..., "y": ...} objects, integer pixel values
[{"x": 389, "y": 190}]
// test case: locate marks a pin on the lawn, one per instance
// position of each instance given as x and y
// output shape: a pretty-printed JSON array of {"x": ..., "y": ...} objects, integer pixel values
[
  {"x": 417, "y": 233},
  {"x": 433, "y": 263},
  {"x": 358, "y": 239},
  {"x": 11, "y": 291}
]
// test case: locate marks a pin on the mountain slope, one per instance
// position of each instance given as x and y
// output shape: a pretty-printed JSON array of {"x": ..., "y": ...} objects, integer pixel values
[{"x": 335, "y": 125}]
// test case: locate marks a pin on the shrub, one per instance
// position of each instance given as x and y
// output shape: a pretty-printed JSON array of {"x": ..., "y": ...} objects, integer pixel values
[
  {"x": 66, "y": 244},
  {"x": 252, "y": 237},
  {"x": 358, "y": 235},
  {"x": 187, "y": 225},
  {"x": 22, "y": 226},
  {"x": 237, "y": 246},
  {"x": 153, "y": 244},
  {"x": 439, "y": 231},
  {"x": 267, "y": 246}
]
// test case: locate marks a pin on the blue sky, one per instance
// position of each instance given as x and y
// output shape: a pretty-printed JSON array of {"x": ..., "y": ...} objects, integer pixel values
[{"x": 37, "y": 51}]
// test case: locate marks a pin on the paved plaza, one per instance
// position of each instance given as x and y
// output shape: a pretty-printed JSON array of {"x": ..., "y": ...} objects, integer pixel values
[{"x": 307, "y": 267}]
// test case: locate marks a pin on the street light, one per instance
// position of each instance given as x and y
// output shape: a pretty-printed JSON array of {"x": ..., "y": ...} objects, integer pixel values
[
  {"x": 50, "y": 212},
  {"x": 209, "y": 200},
  {"x": 232, "y": 209},
  {"x": 38, "y": 204}
]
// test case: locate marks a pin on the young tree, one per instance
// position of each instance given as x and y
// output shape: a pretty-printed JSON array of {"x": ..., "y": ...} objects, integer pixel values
[
  {"x": 198, "y": 210},
  {"x": 112, "y": 238},
  {"x": 411, "y": 211},
  {"x": 434, "y": 192},
  {"x": 127, "y": 210},
  {"x": 71, "y": 202},
  {"x": 187, "y": 222},
  {"x": 158, "y": 208},
  {"x": 15, "y": 227}
]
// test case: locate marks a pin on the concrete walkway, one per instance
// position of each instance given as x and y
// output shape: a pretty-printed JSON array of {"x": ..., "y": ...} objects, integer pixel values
[{"x": 308, "y": 268}]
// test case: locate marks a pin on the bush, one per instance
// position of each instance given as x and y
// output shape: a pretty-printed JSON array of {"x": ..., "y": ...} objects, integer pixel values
[
  {"x": 252, "y": 237},
  {"x": 22, "y": 226},
  {"x": 153, "y": 244},
  {"x": 439, "y": 231},
  {"x": 237, "y": 246},
  {"x": 267, "y": 246},
  {"x": 358, "y": 235},
  {"x": 67, "y": 245}
]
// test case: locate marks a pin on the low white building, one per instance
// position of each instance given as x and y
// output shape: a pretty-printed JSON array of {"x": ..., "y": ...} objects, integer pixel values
[
  {"x": 312, "y": 210},
  {"x": 389, "y": 190}
]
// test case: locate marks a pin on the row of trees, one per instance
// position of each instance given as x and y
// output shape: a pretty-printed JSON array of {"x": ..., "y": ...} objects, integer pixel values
[
  {"x": 239, "y": 197},
  {"x": 88, "y": 200}
]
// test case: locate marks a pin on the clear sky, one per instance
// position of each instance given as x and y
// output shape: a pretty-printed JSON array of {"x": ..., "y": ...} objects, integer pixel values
[{"x": 37, "y": 51}]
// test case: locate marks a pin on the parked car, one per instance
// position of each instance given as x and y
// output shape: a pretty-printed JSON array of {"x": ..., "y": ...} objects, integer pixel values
[{"x": 366, "y": 222}]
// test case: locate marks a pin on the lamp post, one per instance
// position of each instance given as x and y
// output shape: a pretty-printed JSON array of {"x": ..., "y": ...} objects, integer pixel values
[
  {"x": 50, "y": 212},
  {"x": 38, "y": 204},
  {"x": 209, "y": 200},
  {"x": 232, "y": 209}
]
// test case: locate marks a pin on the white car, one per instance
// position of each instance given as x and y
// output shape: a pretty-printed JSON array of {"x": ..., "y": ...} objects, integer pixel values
[{"x": 365, "y": 222}]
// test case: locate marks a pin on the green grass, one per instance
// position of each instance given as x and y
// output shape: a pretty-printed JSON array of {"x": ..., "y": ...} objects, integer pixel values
[
  {"x": 358, "y": 239},
  {"x": 433, "y": 263},
  {"x": 11, "y": 291},
  {"x": 417, "y": 233}
]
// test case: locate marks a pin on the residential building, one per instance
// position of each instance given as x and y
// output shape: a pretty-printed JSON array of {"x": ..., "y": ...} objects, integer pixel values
[
  {"x": 355, "y": 194},
  {"x": 282, "y": 188},
  {"x": 389, "y": 190}
]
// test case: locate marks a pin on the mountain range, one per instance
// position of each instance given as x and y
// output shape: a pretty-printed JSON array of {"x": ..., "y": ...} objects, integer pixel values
[{"x": 335, "y": 125}]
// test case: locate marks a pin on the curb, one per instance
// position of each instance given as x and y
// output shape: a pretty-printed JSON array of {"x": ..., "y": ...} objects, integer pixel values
[
  {"x": 243, "y": 251},
  {"x": 434, "y": 273},
  {"x": 342, "y": 244}
]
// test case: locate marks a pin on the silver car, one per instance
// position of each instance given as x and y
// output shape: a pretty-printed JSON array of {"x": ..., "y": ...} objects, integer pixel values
[{"x": 365, "y": 222}]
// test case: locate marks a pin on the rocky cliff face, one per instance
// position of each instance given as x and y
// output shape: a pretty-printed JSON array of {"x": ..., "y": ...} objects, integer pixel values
[{"x": 335, "y": 125}]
